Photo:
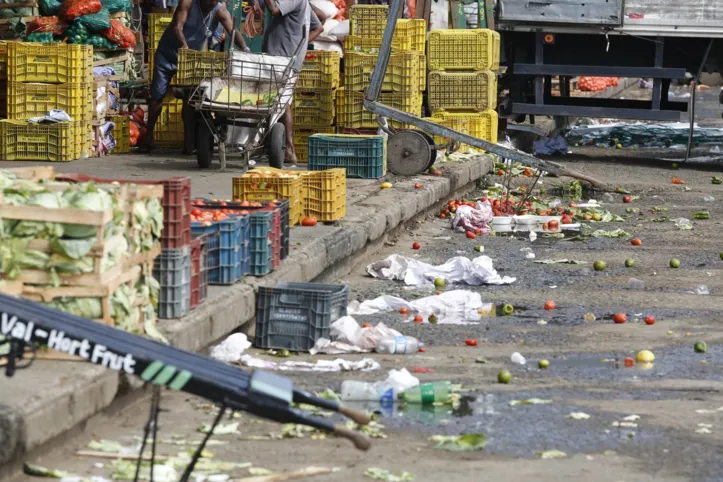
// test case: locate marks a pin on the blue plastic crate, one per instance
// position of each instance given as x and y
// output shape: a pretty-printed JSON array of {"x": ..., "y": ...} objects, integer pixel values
[
  {"x": 228, "y": 248},
  {"x": 260, "y": 245},
  {"x": 363, "y": 156}
]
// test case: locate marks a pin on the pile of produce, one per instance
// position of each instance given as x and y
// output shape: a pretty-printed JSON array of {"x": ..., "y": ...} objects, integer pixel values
[
  {"x": 69, "y": 247},
  {"x": 596, "y": 84}
]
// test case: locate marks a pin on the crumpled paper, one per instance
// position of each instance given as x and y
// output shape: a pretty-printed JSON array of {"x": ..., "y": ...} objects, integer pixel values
[
  {"x": 468, "y": 218},
  {"x": 459, "y": 269},
  {"x": 451, "y": 307},
  {"x": 337, "y": 365},
  {"x": 231, "y": 349},
  {"x": 349, "y": 337}
]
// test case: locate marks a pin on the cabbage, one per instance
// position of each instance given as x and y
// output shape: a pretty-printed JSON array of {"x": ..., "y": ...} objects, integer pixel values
[
  {"x": 87, "y": 198},
  {"x": 72, "y": 248},
  {"x": 64, "y": 264},
  {"x": 91, "y": 308},
  {"x": 15, "y": 256}
]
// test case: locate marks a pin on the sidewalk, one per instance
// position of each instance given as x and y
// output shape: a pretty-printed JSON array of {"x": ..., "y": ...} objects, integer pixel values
[{"x": 51, "y": 397}]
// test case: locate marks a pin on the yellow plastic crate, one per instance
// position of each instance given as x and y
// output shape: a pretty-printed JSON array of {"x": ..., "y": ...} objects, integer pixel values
[
  {"x": 314, "y": 108},
  {"x": 258, "y": 186},
  {"x": 59, "y": 142},
  {"x": 368, "y": 20},
  {"x": 482, "y": 125},
  {"x": 301, "y": 140},
  {"x": 122, "y": 134},
  {"x": 3, "y": 59},
  {"x": 467, "y": 91},
  {"x": 405, "y": 71},
  {"x": 157, "y": 24},
  {"x": 409, "y": 35},
  {"x": 320, "y": 71},
  {"x": 169, "y": 131},
  {"x": 195, "y": 66},
  {"x": 27, "y": 100},
  {"x": 476, "y": 49},
  {"x": 325, "y": 194},
  {"x": 52, "y": 63},
  {"x": 352, "y": 114}
]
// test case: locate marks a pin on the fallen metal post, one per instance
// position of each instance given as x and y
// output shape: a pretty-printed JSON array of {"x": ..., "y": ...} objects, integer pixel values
[{"x": 372, "y": 105}]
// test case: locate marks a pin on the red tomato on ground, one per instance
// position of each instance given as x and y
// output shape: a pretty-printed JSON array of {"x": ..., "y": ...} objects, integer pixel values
[
  {"x": 470, "y": 342},
  {"x": 620, "y": 318},
  {"x": 550, "y": 305}
]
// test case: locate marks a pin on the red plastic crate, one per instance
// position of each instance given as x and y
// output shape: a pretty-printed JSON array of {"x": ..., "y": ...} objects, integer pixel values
[
  {"x": 176, "y": 205},
  {"x": 199, "y": 275}
]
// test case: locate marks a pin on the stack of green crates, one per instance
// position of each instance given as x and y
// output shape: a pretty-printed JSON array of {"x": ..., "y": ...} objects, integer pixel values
[
  {"x": 42, "y": 77},
  {"x": 462, "y": 81},
  {"x": 314, "y": 99},
  {"x": 404, "y": 81}
]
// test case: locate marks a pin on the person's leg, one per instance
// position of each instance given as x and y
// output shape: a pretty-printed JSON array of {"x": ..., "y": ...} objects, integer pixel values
[
  {"x": 162, "y": 75},
  {"x": 288, "y": 120}
]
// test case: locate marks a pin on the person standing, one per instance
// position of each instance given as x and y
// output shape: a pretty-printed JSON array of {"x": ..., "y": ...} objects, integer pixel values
[
  {"x": 192, "y": 27},
  {"x": 292, "y": 23}
]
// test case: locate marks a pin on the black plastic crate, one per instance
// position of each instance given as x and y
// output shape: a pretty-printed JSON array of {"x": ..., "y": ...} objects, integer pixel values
[
  {"x": 172, "y": 269},
  {"x": 294, "y": 315}
]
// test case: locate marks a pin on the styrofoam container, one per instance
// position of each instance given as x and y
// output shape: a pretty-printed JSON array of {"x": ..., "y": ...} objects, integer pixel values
[{"x": 499, "y": 220}]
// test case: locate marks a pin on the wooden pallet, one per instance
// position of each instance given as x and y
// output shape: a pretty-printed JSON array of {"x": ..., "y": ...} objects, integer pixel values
[{"x": 32, "y": 173}]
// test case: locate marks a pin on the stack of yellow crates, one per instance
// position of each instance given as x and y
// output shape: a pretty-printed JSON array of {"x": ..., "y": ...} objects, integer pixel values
[
  {"x": 462, "y": 91},
  {"x": 42, "y": 77},
  {"x": 405, "y": 79},
  {"x": 314, "y": 99},
  {"x": 169, "y": 131}
]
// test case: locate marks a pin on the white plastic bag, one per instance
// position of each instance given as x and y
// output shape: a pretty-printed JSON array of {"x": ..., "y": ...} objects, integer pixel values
[{"x": 326, "y": 7}]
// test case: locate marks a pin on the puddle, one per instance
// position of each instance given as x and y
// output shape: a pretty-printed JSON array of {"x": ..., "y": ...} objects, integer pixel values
[
  {"x": 595, "y": 362},
  {"x": 418, "y": 413}
]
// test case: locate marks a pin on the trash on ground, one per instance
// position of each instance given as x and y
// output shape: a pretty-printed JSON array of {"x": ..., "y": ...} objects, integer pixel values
[
  {"x": 549, "y": 147},
  {"x": 518, "y": 358},
  {"x": 221, "y": 429},
  {"x": 451, "y": 307},
  {"x": 578, "y": 416},
  {"x": 460, "y": 443},
  {"x": 473, "y": 219},
  {"x": 646, "y": 134},
  {"x": 617, "y": 233},
  {"x": 560, "y": 261},
  {"x": 551, "y": 454},
  {"x": 385, "y": 475},
  {"x": 398, "y": 345},
  {"x": 459, "y": 269},
  {"x": 40, "y": 471},
  {"x": 231, "y": 349},
  {"x": 298, "y": 474},
  {"x": 349, "y": 337},
  {"x": 337, "y": 365},
  {"x": 700, "y": 290},
  {"x": 683, "y": 224},
  {"x": 704, "y": 428},
  {"x": 383, "y": 391},
  {"x": 428, "y": 393}
]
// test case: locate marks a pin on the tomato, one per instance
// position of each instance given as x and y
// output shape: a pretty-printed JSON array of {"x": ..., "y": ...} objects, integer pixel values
[
  {"x": 627, "y": 199},
  {"x": 367, "y": 325},
  {"x": 222, "y": 203},
  {"x": 566, "y": 219},
  {"x": 470, "y": 342},
  {"x": 500, "y": 172},
  {"x": 550, "y": 305},
  {"x": 423, "y": 370},
  {"x": 418, "y": 318},
  {"x": 620, "y": 318},
  {"x": 554, "y": 225},
  {"x": 636, "y": 242},
  {"x": 470, "y": 235},
  {"x": 477, "y": 231},
  {"x": 678, "y": 181},
  {"x": 649, "y": 320},
  {"x": 422, "y": 349},
  {"x": 587, "y": 217},
  {"x": 629, "y": 362},
  {"x": 245, "y": 204},
  {"x": 308, "y": 221},
  {"x": 403, "y": 310},
  {"x": 195, "y": 212},
  {"x": 528, "y": 173},
  {"x": 417, "y": 186},
  {"x": 545, "y": 226},
  {"x": 416, "y": 245}
]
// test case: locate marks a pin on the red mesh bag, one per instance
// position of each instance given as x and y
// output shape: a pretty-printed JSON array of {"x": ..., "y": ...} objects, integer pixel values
[
  {"x": 72, "y": 9},
  {"x": 120, "y": 34},
  {"x": 46, "y": 24}
]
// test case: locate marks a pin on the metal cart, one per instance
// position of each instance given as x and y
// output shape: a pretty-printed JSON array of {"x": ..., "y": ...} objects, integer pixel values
[{"x": 239, "y": 102}]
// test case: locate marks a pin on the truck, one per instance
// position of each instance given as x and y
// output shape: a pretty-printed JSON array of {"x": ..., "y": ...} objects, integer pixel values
[{"x": 661, "y": 40}]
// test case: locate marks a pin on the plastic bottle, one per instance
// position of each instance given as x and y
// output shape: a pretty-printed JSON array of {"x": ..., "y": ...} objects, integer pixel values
[
  {"x": 428, "y": 393},
  {"x": 381, "y": 392},
  {"x": 398, "y": 345}
]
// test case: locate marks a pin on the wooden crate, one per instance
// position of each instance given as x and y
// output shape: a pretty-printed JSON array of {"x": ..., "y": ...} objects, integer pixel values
[
  {"x": 5, "y": 23},
  {"x": 120, "y": 60}
]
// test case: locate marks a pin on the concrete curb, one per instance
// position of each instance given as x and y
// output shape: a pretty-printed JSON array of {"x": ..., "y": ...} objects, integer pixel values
[{"x": 61, "y": 405}]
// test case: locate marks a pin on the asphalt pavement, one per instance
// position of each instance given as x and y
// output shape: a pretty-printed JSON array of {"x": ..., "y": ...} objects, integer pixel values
[{"x": 645, "y": 423}]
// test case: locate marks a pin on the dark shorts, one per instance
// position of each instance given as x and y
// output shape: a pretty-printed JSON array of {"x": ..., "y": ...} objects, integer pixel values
[{"x": 163, "y": 72}]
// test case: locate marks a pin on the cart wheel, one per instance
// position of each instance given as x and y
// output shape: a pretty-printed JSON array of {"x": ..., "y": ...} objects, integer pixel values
[
  {"x": 204, "y": 145},
  {"x": 276, "y": 145},
  {"x": 433, "y": 157}
]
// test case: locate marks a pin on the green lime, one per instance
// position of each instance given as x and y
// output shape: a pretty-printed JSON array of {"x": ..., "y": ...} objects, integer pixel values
[
  {"x": 700, "y": 347},
  {"x": 721, "y": 255},
  {"x": 508, "y": 309},
  {"x": 543, "y": 363},
  {"x": 674, "y": 263},
  {"x": 439, "y": 282},
  {"x": 479, "y": 249},
  {"x": 599, "y": 265},
  {"x": 630, "y": 263},
  {"x": 504, "y": 377},
  {"x": 674, "y": 165},
  {"x": 433, "y": 318}
]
